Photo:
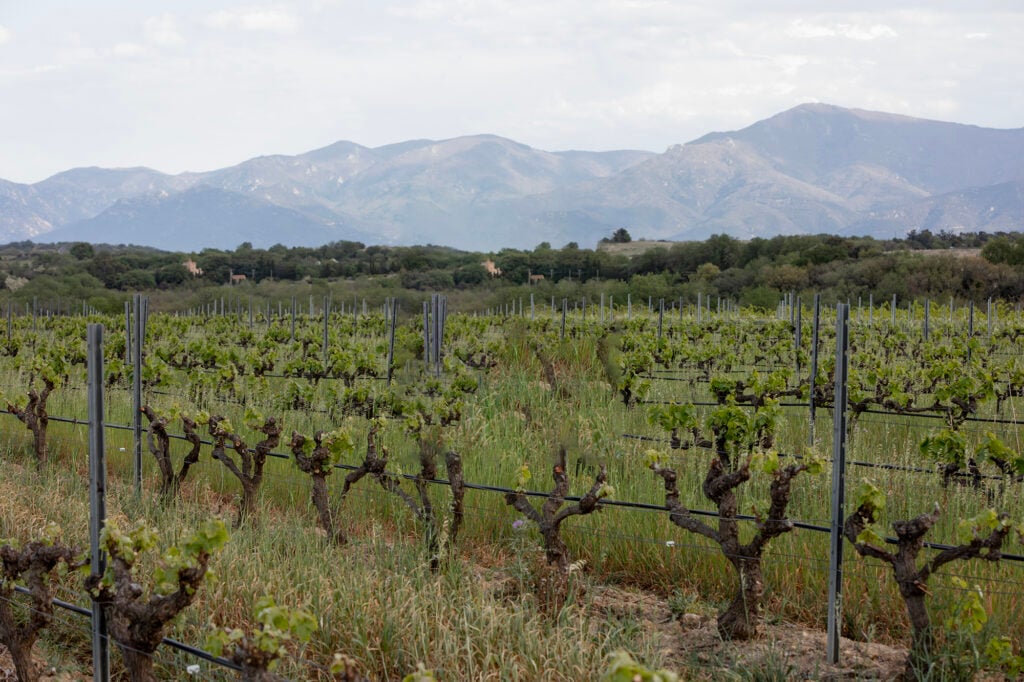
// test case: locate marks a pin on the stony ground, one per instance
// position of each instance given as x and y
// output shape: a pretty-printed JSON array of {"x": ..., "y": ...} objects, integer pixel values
[{"x": 691, "y": 645}]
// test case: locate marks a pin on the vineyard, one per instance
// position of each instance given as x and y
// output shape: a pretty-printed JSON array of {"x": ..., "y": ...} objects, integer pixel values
[{"x": 383, "y": 493}]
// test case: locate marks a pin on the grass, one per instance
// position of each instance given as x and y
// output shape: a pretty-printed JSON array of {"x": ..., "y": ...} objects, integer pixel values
[
  {"x": 377, "y": 602},
  {"x": 375, "y": 599}
]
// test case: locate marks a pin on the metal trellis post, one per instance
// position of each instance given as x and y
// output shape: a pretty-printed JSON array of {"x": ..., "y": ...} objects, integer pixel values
[
  {"x": 97, "y": 497},
  {"x": 139, "y": 329},
  {"x": 835, "y": 574},
  {"x": 814, "y": 359}
]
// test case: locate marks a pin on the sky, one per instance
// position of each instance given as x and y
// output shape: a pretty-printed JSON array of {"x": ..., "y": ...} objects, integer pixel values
[{"x": 194, "y": 85}]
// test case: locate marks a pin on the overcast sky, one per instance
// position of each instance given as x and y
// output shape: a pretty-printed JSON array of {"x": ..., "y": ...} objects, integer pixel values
[{"x": 196, "y": 85}]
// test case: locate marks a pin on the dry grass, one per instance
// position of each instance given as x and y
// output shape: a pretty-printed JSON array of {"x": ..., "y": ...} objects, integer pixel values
[
  {"x": 633, "y": 248},
  {"x": 477, "y": 619}
]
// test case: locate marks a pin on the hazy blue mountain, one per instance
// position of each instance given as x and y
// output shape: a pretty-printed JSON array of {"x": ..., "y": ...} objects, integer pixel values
[
  {"x": 432, "y": 191},
  {"x": 812, "y": 141},
  {"x": 201, "y": 216},
  {"x": 20, "y": 217},
  {"x": 693, "y": 191},
  {"x": 813, "y": 168},
  {"x": 307, "y": 182},
  {"x": 993, "y": 208},
  {"x": 85, "y": 192}
]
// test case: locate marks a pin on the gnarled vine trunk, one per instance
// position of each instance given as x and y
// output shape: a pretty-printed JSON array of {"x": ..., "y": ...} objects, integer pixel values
[
  {"x": 32, "y": 563},
  {"x": 160, "y": 446},
  {"x": 318, "y": 465},
  {"x": 250, "y": 471},
  {"x": 36, "y": 419},
  {"x": 912, "y": 580},
  {"x": 741, "y": 619},
  {"x": 375, "y": 465},
  {"x": 549, "y": 519},
  {"x": 137, "y": 627}
]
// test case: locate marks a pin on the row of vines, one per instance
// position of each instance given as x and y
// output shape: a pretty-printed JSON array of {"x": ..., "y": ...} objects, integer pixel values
[{"x": 726, "y": 402}]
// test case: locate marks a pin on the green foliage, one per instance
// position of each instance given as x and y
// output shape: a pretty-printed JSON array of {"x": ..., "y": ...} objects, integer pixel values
[
  {"x": 523, "y": 478},
  {"x": 724, "y": 387},
  {"x": 48, "y": 536},
  {"x": 968, "y": 613},
  {"x": 622, "y": 668},
  {"x": 224, "y": 427},
  {"x": 621, "y": 236},
  {"x": 766, "y": 418},
  {"x": 869, "y": 497},
  {"x": 686, "y": 348},
  {"x": 947, "y": 446},
  {"x": 51, "y": 366},
  {"x": 129, "y": 546},
  {"x": 276, "y": 626},
  {"x": 741, "y": 431},
  {"x": 970, "y": 648},
  {"x": 994, "y": 450},
  {"x": 981, "y": 525},
  {"x": 673, "y": 416},
  {"x": 998, "y": 654},
  {"x": 766, "y": 461},
  {"x": 654, "y": 459},
  {"x": 730, "y": 423},
  {"x": 870, "y": 536},
  {"x": 339, "y": 442},
  {"x": 753, "y": 272},
  {"x": 814, "y": 461},
  {"x": 253, "y": 419},
  {"x": 421, "y": 674},
  {"x": 950, "y": 448},
  {"x": 770, "y": 384}
]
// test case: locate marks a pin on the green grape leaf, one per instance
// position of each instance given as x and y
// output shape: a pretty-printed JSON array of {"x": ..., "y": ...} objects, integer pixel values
[{"x": 867, "y": 494}]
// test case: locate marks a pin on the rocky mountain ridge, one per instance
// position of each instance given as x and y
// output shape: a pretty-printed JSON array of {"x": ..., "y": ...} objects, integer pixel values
[{"x": 814, "y": 168}]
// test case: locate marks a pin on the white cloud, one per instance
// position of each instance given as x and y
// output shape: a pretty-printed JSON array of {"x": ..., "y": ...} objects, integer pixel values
[
  {"x": 803, "y": 29},
  {"x": 162, "y": 30},
  {"x": 574, "y": 73},
  {"x": 128, "y": 50},
  {"x": 790, "y": 64},
  {"x": 942, "y": 107},
  {"x": 874, "y": 32},
  {"x": 273, "y": 20}
]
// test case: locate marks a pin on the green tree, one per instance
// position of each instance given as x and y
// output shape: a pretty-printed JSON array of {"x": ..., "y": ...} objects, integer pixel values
[
  {"x": 621, "y": 236},
  {"x": 82, "y": 250}
]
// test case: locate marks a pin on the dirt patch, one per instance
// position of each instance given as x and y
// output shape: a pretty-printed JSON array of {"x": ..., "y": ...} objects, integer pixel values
[
  {"x": 47, "y": 674},
  {"x": 959, "y": 253},
  {"x": 633, "y": 248},
  {"x": 692, "y": 646}
]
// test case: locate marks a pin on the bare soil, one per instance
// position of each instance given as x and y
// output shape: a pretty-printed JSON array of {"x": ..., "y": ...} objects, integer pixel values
[
  {"x": 692, "y": 646},
  {"x": 48, "y": 674}
]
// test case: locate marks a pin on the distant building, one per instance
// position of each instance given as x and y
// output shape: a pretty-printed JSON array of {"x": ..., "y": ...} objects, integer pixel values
[
  {"x": 491, "y": 268},
  {"x": 535, "y": 279},
  {"x": 235, "y": 279},
  {"x": 193, "y": 269}
]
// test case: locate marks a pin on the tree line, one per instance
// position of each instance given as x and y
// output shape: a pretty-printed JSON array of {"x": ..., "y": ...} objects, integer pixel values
[{"x": 754, "y": 272}]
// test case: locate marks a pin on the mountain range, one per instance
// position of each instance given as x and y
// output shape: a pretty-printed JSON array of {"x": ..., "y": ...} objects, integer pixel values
[{"x": 812, "y": 169}]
